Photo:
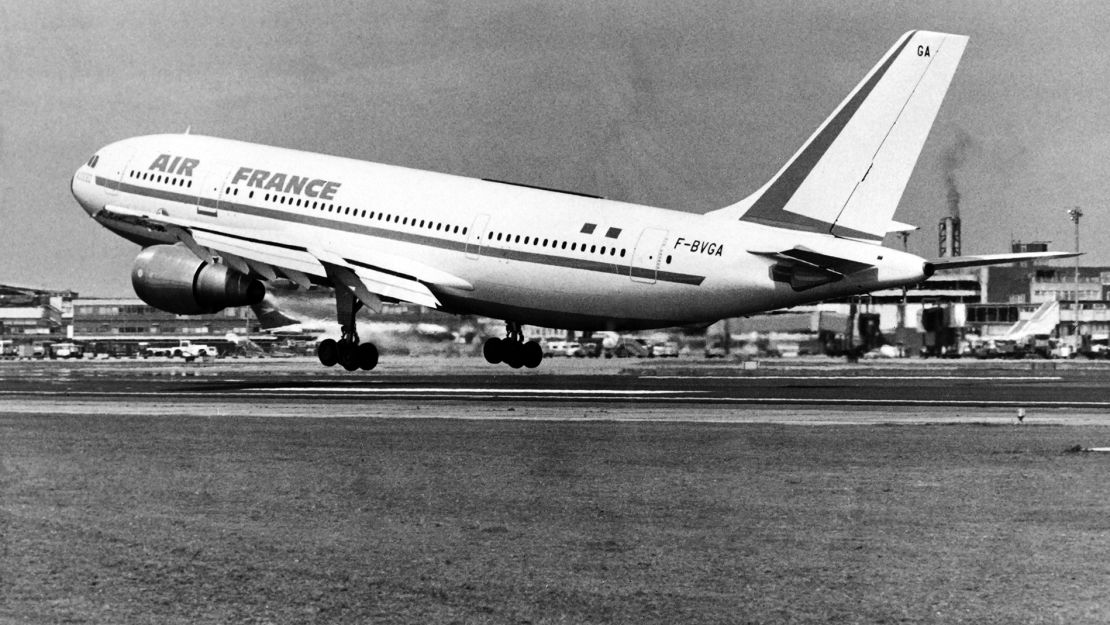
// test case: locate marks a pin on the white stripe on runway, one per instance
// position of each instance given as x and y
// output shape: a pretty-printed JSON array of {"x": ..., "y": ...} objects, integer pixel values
[
  {"x": 382, "y": 390},
  {"x": 979, "y": 378}
]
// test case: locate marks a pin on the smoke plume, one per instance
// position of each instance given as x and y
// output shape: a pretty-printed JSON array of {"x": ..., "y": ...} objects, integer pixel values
[{"x": 951, "y": 160}]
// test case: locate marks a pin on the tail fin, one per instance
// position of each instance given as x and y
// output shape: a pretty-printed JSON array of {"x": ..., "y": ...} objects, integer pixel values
[{"x": 849, "y": 176}]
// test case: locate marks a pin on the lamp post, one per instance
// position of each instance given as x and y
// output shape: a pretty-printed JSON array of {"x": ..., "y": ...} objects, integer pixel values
[{"x": 1075, "y": 213}]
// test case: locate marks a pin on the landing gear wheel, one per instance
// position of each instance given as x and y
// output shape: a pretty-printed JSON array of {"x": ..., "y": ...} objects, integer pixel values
[
  {"x": 493, "y": 350},
  {"x": 367, "y": 356},
  {"x": 328, "y": 352},
  {"x": 514, "y": 354},
  {"x": 531, "y": 354},
  {"x": 348, "y": 355}
]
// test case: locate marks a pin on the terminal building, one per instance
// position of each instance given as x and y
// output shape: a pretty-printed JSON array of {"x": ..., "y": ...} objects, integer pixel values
[{"x": 123, "y": 327}]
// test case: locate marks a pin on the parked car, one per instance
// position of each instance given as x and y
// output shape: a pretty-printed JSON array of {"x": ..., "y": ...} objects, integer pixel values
[{"x": 665, "y": 349}]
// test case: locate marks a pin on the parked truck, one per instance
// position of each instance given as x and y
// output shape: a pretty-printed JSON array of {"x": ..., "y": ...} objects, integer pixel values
[{"x": 184, "y": 349}]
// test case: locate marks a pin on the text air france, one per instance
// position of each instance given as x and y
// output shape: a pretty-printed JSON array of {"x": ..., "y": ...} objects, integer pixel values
[{"x": 286, "y": 183}]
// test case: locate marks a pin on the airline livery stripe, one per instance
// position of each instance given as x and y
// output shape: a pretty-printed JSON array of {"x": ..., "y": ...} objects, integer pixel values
[
  {"x": 406, "y": 237},
  {"x": 768, "y": 208}
]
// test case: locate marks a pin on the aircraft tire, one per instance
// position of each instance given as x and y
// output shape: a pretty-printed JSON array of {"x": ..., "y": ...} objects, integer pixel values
[
  {"x": 348, "y": 355},
  {"x": 328, "y": 352},
  {"x": 367, "y": 356},
  {"x": 493, "y": 350},
  {"x": 514, "y": 354},
  {"x": 531, "y": 354}
]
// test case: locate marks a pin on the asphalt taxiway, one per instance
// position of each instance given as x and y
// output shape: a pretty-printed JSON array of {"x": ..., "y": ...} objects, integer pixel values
[{"x": 778, "y": 391}]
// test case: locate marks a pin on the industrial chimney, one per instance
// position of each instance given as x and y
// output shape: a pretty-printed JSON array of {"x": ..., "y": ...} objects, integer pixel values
[{"x": 949, "y": 228}]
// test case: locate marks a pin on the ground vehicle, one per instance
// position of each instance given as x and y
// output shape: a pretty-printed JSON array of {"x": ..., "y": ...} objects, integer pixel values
[
  {"x": 566, "y": 348},
  {"x": 554, "y": 348},
  {"x": 665, "y": 349},
  {"x": 715, "y": 350},
  {"x": 184, "y": 349},
  {"x": 630, "y": 348},
  {"x": 587, "y": 349},
  {"x": 66, "y": 350}
]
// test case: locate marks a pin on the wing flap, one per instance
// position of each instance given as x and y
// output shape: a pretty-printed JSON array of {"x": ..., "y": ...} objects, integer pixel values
[{"x": 362, "y": 278}]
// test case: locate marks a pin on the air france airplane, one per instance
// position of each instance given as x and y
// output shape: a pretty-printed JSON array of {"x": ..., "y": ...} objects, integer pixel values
[{"x": 217, "y": 218}]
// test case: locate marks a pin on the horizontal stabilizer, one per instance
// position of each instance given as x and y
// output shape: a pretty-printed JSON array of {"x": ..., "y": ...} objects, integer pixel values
[
  {"x": 897, "y": 226},
  {"x": 960, "y": 262}
]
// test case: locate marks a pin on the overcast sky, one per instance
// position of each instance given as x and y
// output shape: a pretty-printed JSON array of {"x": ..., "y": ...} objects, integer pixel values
[{"x": 685, "y": 105}]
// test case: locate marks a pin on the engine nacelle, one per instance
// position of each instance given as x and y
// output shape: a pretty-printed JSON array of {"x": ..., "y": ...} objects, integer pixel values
[{"x": 173, "y": 279}]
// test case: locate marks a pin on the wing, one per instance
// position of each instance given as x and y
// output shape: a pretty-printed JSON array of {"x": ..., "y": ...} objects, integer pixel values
[{"x": 271, "y": 254}]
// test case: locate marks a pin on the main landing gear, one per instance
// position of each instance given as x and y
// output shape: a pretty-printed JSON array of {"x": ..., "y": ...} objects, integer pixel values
[
  {"x": 347, "y": 351},
  {"x": 512, "y": 350}
]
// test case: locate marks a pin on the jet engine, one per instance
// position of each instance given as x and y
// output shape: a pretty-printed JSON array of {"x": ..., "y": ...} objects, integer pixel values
[{"x": 173, "y": 279}]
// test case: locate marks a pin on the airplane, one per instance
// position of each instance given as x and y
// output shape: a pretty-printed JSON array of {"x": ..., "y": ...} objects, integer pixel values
[{"x": 218, "y": 218}]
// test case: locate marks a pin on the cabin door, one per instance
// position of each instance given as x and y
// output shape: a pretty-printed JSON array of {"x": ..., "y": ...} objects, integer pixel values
[{"x": 647, "y": 255}]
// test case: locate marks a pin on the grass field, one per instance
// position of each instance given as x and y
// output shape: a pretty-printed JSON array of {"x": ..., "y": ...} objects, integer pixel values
[{"x": 203, "y": 520}]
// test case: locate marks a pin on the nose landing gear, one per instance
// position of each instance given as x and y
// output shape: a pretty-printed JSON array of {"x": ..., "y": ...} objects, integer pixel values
[{"x": 512, "y": 350}]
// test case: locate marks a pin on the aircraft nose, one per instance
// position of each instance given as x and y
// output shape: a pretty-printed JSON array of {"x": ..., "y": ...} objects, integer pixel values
[{"x": 83, "y": 186}]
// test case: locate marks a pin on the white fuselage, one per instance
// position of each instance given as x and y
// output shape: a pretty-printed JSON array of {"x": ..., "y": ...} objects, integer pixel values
[{"x": 518, "y": 253}]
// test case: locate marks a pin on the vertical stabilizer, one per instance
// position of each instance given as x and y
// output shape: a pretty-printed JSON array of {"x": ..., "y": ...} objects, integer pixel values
[{"x": 849, "y": 176}]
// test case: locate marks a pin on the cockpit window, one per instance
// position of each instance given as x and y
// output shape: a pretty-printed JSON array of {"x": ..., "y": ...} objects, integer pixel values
[{"x": 93, "y": 160}]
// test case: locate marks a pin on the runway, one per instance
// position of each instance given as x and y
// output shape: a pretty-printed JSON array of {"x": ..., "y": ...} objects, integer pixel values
[
  {"x": 223, "y": 491},
  {"x": 467, "y": 388}
]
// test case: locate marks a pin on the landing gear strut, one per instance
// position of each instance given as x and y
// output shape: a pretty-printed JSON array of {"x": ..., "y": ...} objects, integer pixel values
[
  {"x": 347, "y": 351},
  {"x": 512, "y": 350}
]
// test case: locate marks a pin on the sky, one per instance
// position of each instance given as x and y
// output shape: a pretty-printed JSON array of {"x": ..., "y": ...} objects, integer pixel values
[{"x": 685, "y": 105}]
